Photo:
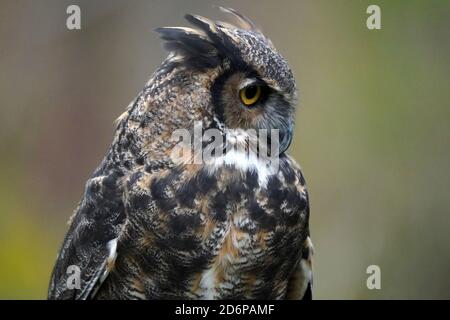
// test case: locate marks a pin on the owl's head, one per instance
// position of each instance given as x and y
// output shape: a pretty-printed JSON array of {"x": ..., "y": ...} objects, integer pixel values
[{"x": 250, "y": 85}]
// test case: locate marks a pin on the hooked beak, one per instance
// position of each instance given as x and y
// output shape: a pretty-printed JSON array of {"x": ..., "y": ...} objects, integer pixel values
[
  {"x": 285, "y": 139},
  {"x": 282, "y": 143}
]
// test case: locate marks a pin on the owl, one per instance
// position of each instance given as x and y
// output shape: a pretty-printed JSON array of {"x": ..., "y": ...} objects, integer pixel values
[{"x": 156, "y": 224}]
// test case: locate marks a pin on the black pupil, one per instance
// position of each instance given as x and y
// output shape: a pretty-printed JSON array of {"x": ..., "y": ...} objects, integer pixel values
[{"x": 250, "y": 92}]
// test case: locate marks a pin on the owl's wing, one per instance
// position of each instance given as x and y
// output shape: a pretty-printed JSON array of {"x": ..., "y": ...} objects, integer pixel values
[
  {"x": 89, "y": 248},
  {"x": 301, "y": 281}
]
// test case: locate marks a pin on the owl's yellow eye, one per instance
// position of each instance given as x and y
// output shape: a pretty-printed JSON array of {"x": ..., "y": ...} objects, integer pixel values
[{"x": 250, "y": 95}]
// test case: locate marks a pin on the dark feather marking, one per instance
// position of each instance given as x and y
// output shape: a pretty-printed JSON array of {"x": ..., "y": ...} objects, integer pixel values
[
  {"x": 264, "y": 220},
  {"x": 181, "y": 223},
  {"x": 219, "y": 205},
  {"x": 158, "y": 191},
  {"x": 251, "y": 179}
]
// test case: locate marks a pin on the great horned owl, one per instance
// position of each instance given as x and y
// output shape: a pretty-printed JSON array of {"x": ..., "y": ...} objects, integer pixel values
[{"x": 149, "y": 227}]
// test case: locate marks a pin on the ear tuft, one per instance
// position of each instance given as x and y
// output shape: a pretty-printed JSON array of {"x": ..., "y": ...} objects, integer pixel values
[
  {"x": 241, "y": 21},
  {"x": 206, "y": 44}
]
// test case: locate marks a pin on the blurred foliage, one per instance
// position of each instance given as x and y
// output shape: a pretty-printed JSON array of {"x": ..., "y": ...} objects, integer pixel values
[{"x": 372, "y": 129}]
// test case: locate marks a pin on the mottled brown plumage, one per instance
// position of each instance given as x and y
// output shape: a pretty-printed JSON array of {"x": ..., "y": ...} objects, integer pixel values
[{"x": 149, "y": 227}]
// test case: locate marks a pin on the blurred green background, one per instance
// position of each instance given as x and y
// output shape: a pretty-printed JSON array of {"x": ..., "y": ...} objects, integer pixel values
[{"x": 372, "y": 130}]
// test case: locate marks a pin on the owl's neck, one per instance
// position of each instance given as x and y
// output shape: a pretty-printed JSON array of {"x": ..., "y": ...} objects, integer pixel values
[{"x": 174, "y": 98}]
